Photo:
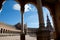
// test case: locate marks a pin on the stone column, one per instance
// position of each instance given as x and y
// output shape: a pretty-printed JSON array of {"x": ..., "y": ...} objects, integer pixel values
[
  {"x": 40, "y": 14},
  {"x": 21, "y": 2},
  {"x": 22, "y": 18},
  {"x": 6, "y": 30},
  {"x": 41, "y": 34},
  {"x": 1, "y": 30},
  {"x": 22, "y": 22}
]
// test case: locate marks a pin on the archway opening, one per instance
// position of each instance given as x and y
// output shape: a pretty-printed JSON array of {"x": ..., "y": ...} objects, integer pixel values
[
  {"x": 9, "y": 17},
  {"x": 49, "y": 22},
  {"x": 31, "y": 20},
  {"x": 10, "y": 13}
]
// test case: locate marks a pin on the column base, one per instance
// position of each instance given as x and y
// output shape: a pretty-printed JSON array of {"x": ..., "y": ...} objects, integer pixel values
[
  {"x": 22, "y": 37},
  {"x": 43, "y": 35},
  {"x": 58, "y": 37}
]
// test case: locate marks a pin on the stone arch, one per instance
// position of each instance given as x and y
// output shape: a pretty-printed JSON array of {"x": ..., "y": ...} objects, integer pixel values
[
  {"x": 36, "y": 11},
  {"x": 48, "y": 9},
  {"x": 50, "y": 12},
  {"x": 34, "y": 31},
  {"x": 10, "y": 8},
  {"x": 52, "y": 18},
  {"x": 39, "y": 7},
  {"x": 33, "y": 3}
]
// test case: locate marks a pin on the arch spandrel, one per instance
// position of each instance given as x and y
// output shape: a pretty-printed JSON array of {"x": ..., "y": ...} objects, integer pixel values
[
  {"x": 23, "y": 2},
  {"x": 26, "y": 1}
]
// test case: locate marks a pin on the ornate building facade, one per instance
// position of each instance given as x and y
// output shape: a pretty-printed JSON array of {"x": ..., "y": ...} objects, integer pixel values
[{"x": 5, "y": 28}]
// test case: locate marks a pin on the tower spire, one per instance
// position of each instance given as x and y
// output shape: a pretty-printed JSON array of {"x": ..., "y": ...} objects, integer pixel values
[{"x": 49, "y": 26}]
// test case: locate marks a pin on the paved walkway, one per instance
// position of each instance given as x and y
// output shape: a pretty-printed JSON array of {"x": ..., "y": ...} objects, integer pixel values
[
  {"x": 16, "y": 37},
  {"x": 10, "y": 38},
  {"x": 28, "y": 37}
]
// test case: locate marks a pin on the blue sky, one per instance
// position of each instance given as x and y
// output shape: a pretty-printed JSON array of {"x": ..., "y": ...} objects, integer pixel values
[{"x": 10, "y": 14}]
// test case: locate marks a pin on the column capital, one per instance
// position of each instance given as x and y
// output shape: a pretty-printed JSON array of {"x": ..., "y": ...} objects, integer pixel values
[
  {"x": 22, "y": 8},
  {"x": 41, "y": 26}
]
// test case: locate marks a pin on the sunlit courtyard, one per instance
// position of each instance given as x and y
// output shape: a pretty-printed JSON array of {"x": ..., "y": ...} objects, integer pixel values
[
  {"x": 16, "y": 37},
  {"x": 10, "y": 38}
]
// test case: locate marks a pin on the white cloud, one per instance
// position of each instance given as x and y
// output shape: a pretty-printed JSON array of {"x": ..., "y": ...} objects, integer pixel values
[
  {"x": 16, "y": 7},
  {"x": 27, "y": 8}
]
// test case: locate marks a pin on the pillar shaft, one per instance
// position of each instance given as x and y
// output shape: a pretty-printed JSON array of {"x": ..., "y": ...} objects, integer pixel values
[
  {"x": 1, "y": 30},
  {"x": 41, "y": 33},
  {"x": 22, "y": 18},
  {"x": 40, "y": 13},
  {"x": 22, "y": 22}
]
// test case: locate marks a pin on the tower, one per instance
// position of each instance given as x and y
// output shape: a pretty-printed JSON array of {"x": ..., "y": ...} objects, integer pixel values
[
  {"x": 49, "y": 26},
  {"x": 45, "y": 31}
]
